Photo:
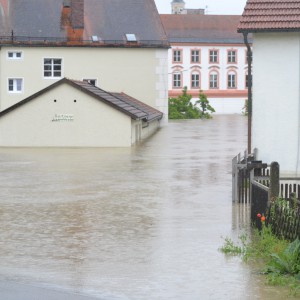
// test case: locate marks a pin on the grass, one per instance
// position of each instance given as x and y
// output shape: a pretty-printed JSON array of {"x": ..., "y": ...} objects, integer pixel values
[{"x": 280, "y": 258}]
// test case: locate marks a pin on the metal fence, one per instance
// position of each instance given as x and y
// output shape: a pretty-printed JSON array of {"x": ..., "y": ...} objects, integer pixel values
[{"x": 276, "y": 198}]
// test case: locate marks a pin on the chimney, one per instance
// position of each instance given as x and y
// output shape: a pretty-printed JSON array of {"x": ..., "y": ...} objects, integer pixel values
[{"x": 77, "y": 14}]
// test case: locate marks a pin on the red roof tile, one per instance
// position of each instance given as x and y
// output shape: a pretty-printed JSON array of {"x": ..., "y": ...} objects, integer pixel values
[
  {"x": 270, "y": 15},
  {"x": 202, "y": 28}
]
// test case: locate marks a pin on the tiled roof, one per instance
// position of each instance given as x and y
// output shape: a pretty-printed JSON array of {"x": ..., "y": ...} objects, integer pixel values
[
  {"x": 151, "y": 112},
  {"x": 121, "y": 101},
  {"x": 134, "y": 108},
  {"x": 185, "y": 28},
  {"x": 270, "y": 15},
  {"x": 80, "y": 20}
]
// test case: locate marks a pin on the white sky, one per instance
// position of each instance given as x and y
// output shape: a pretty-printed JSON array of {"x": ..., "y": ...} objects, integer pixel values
[{"x": 213, "y": 7}]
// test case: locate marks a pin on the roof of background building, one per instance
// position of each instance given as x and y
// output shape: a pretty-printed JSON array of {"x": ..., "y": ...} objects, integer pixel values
[
  {"x": 270, "y": 15},
  {"x": 189, "y": 28},
  {"x": 106, "y": 20},
  {"x": 132, "y": 107}
]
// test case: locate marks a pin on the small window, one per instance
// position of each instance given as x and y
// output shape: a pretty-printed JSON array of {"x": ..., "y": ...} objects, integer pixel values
[
  {"x": 95, "y": 38},
  {"x": 131, "y": 37},
  {"x": 52, "y": 67},
  {"x": 177, "y": 80},
  {"x": 232, "y": 56},
  {"x": 195, "y": 80},
  {"x": 195, "y": 56},
  {"x": 177, "y": 56},
  {"x": 213, "y": 56},
  {"x": 231, "y": 82},
  {"x": 91, "y": 81},
  {"x": 213, "y": 80},
  {"x": 15, "y": 85},
  {"x": 14, "y": 54}
]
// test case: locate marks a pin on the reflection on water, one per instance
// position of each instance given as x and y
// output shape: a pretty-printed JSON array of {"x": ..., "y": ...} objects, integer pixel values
[{"x": 140, "y": 223}]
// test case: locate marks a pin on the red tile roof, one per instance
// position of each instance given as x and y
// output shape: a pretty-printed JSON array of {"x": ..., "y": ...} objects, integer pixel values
[
  {"x": 183, "y": 28},
  {"x": 270, "y": 15}
]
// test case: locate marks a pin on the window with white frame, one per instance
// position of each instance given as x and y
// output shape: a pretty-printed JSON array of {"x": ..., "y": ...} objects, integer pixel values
[
  {"x": 231, "y": 56},
  {"x": 231, "y": 80},
  {"x": 15, "y": 85},
  {"x": 195, "y": 80},
  {"x": 213, "y": 56},
  {"x": 52, "y": 67},
  {"x": 195, "y": 56},
  {"x": 177, "y": 80},
  {"x": 177, "y": 55},
  {"x": 213, "y": 80},
  {"x": 14, "y": 54}
]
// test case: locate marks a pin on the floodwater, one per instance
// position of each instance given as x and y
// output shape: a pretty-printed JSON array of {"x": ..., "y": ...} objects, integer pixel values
[{"x": 143, "y": 223}]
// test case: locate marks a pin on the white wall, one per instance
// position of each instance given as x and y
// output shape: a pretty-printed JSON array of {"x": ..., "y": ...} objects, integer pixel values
[
  {"x": 224, "y": 100},
  {"x": 141, "y": 73},
  {"x": 92, "y": 124},
  {"x": 276, "y": 98}
]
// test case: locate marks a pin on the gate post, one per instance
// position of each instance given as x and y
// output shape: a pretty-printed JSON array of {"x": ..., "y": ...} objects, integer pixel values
[{"x": 274, "y": 182}]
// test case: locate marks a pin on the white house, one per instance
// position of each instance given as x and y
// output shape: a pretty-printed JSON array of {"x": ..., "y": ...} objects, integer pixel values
[
  {"x": 73, "y": 113},
  {"x": 115, "y": 45},
  {"x": 276, "y": 81},
  {"x": 207, "y": 54}
]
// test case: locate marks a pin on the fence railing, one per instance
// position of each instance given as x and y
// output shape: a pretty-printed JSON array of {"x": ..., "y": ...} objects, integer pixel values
[{"x": 260, "y": 185}]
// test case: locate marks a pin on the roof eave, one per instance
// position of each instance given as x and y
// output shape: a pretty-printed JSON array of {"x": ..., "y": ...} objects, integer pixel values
[{"x": 264, "y": 30}]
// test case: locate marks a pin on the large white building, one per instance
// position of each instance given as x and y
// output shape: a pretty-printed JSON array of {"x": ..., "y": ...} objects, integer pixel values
[
  {"x": 119, "y": 46},
  {"x": 276, "y": 81},
  {"x": 207, "y": 54}
]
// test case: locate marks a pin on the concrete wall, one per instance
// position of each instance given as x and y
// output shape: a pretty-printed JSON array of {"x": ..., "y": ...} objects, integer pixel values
[
  {"x": 44, "y": 122},
  {"x": 141, "y": 73},
  {"x": 276, "y": 70}
]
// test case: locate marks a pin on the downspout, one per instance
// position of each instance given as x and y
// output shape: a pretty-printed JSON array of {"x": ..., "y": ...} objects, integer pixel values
[{"x": 249, "y": 60}]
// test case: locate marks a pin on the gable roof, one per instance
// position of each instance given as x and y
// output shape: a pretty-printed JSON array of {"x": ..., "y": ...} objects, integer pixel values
[
  {"x": 190, "y": 28},
  {"x": 270, "y": 15},
  {"x": 77, "y": 21},
  {"x": 134, "y": 108}
]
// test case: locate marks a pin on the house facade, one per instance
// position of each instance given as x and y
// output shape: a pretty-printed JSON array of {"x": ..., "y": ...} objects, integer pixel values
[
  {"x": 276, "y": 81},
  {"x": 121, "y": 50},
  {"x": 73, "y": 113},
  {"x": 207, "y": 54}
]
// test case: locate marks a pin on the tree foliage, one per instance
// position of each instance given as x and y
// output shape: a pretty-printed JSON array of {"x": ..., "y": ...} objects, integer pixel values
[{"x": 182, "y": 107}]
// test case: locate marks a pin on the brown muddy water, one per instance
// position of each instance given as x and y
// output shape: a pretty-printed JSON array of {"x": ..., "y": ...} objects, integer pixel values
[{"x": 141, "y": 224}]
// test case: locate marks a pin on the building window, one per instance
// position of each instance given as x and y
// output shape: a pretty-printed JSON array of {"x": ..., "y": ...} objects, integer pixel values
[
  {"x": 177, "y": 56},
  {"x": 195, "y": 56},
  {"x": 231, "y": 80},
  {"x": 91, "y": 81},
  {"x": 213, "y": 56},
  {"x": 177, "y": 80},
  {"x": 213, "y": 80},
  {"x": 15, "y": 85},
  {"x": 231, "y": 56},
  {"x": 14, "y": 54},
  {"x": 195, "y": 80},
  {"x": 52, "y": 67},
  {"x": 246, "y": 81}
]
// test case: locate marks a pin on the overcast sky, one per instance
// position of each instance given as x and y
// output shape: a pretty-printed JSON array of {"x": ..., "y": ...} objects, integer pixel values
[{"x": 217, "y": 7}]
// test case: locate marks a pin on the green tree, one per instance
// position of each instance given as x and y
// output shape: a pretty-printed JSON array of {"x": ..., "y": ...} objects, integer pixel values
[
  {"x": 182, "y": 107},
  {"x": 206, "y": 109}
]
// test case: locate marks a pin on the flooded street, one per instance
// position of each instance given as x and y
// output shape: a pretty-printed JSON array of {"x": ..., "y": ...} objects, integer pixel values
[{"x": 143, "y": 223}]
